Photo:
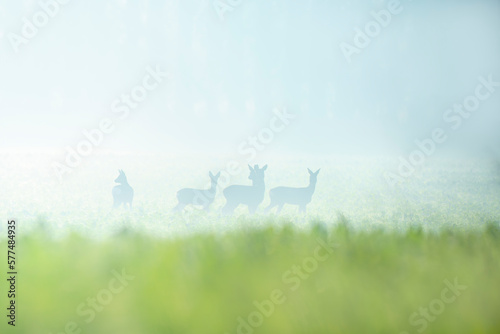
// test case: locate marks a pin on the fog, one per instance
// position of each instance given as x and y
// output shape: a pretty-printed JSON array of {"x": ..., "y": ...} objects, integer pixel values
[{"x": 227, "y": 78}]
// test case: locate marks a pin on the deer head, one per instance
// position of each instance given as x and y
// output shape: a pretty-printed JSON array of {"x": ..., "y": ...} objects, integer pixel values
[
  {"x": 214, "y": 178},
  {"x": 122, "y": 178},
  {"x": 313, "y": 176},
  {"x": 256, "y": 173}
]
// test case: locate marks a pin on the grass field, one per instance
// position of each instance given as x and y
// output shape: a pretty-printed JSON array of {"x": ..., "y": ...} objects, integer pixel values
[
  {"x": 367, "y": 258},
  {"x": 363, "y": 283}
]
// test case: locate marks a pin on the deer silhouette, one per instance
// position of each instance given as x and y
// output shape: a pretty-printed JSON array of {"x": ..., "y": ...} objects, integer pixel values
[
  {"x": 122, "y": 193},
  {"x": 203, "y": 197},
  {"x": 295, "y": 196},
  {"x": 251, "y": 196}
]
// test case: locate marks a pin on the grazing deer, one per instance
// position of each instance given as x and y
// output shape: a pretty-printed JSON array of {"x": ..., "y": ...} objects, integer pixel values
[
  {"x": 203, "y": 197},
  {"x": 251, "y": 196},
  {"x": 122, "y": 193},
  {"x": 295, "y": 196}
]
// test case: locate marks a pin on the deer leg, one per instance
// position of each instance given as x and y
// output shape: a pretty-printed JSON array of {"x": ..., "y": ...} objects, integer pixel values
[
  {"x": 272, "y": 205},
  {"x": 179, "y": 207},
  {"x": 280, "y": 206},
  {"x": 229, "y": 208},
  {"x": 252, "y": 209},
  {"x": 302, "y": 208}
]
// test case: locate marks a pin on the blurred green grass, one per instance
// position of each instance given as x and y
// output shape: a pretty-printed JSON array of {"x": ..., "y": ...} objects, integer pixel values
[{"x": 371, "y": 283}]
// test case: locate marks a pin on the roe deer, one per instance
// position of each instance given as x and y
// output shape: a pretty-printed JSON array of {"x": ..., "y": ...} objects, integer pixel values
[
  {"x": 296, "y": 196},
  {"x": 122, "y": 193},
  {"x": 203, "y": 197},
  {"x": 251, "y": 196}
]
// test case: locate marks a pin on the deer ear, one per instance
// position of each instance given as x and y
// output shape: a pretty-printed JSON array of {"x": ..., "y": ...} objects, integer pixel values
[
  {"x": 218, "y": 174},
  {"x": 210, "y": 174},
  {"x": 250, "y": 167},
  {"x": 317, "y": 172},
  {"x": 264, "y": 168},
  {"x": 310, "y": 171}
]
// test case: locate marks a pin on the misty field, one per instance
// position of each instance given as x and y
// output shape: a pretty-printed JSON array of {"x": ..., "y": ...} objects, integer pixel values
[
  {"x": 366, "y": 258},
  {"x": 460, "y": 194}
]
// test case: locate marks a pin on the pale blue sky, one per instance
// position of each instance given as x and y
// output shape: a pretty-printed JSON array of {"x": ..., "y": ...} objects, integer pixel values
[{"x": 227, "y": 76}]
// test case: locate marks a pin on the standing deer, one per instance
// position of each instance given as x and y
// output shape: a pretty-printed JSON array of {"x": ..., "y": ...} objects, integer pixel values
[
  {"x": 122, "y": 193},
  {"x": 295, "y": 196},
  {"x": 251, "y": 196},
  {"x": 203, "y": 197}
]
